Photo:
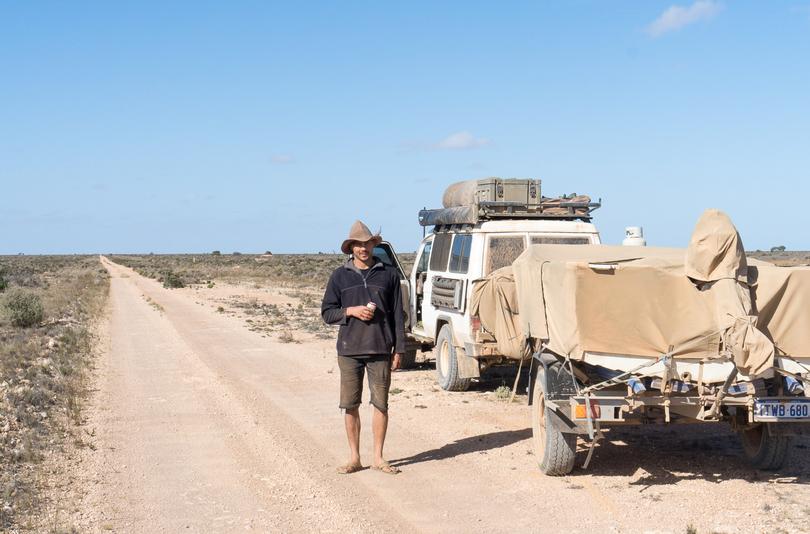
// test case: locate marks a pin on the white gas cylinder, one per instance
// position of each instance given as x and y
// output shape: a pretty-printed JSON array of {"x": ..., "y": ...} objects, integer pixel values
[{"x": 634, "y": 237}]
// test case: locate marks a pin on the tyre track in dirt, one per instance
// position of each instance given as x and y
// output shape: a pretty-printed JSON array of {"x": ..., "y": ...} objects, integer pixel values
[
  {"x": 210, "y": 427},
  {"x": 184, "y": 451}
]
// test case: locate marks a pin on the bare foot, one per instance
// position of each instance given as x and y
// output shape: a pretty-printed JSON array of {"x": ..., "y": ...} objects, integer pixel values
[
  {"x": 385, "y": 467},
  {"x": 349, "y": 468}
]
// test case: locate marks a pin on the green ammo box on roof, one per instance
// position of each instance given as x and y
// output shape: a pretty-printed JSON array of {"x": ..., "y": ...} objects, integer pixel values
[{"x": 526, "y": 192}]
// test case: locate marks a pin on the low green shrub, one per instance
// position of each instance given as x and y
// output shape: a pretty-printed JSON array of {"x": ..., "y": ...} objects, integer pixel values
[
  {"x": 24, "y": 308},
  {"x": 172, "y": 280},
  {"x": 503, "y": 392}
]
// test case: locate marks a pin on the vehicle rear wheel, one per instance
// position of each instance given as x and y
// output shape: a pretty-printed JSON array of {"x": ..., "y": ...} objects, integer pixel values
[
  {"x": 554, "y": 450},
  {"x": 447, "y": 362},
  {"x": 408, "y": 359},
  {"x": 763, "y": 449}
]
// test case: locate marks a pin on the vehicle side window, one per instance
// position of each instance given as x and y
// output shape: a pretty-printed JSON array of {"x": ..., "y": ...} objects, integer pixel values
[
  {"x": 460, "y": 257},
  {"x": 548, "y": 240},
  {"x": 440, "y": 252},
  {"x": 424, "y": 258},
  {"x": 503, "y": 251}
]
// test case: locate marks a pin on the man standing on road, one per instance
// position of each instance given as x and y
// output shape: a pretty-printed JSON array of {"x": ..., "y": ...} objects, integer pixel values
[{"x": 363, "y": 297}]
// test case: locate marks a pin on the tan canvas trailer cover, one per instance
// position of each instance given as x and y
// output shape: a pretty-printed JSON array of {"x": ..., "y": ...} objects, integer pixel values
[
  {"x": 625, "y": 335},
  {"x": 704, "y": 302},
  {"x": 781, "y": 298}
]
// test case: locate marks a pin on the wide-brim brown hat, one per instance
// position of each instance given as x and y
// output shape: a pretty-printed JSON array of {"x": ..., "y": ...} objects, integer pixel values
[{"x": 359, "y": 232}]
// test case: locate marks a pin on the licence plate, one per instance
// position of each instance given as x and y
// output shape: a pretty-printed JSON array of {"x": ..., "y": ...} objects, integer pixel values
[{"x": 781, "y": 410}]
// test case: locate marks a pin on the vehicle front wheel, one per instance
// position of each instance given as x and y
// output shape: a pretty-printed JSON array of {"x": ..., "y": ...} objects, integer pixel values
[
  {"x": 554, "y": 450},
  {"x": 447, "y": 362},
  {"x": 763, "y": 449}
]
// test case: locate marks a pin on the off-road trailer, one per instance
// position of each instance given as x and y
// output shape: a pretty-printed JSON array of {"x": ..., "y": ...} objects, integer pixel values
[{"x": 569, "y": 399}]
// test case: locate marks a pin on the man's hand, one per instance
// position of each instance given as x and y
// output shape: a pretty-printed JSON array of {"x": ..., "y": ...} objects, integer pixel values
[
  {"x": 361, "y": 312},
  {"x": 396, "y": 361}
]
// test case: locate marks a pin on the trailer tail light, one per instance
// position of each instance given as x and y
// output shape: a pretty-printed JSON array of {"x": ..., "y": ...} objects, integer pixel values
[
  {"x": 475, "y": 323},
  {"x": 579, "y": 411}
]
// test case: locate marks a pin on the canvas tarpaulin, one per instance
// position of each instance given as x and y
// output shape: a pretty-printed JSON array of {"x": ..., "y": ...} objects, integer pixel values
[
  {"x": 715, "y": 250},
  {"x": 782, "y": 302},
  {"x": 639, "y": 301},
  {"x": 716, "y": 262},
  {"x": 495, "y": 302}
]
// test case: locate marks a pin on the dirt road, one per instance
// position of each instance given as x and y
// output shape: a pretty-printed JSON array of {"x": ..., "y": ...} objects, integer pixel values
[{"x": 201, "y": 425}]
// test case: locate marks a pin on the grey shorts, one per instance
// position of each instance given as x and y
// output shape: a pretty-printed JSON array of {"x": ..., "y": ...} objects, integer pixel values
[{"x": 352, "y": 369}]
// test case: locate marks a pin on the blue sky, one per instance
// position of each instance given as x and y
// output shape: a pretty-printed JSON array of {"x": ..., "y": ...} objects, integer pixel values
[{"x": 252, "y": 126}]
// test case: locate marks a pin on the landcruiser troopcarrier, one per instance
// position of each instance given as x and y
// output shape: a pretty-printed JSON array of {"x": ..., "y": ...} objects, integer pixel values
[{"x": 483, "y": 226}]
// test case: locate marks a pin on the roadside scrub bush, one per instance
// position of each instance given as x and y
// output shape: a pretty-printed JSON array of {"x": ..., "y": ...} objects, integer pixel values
[
  {"x": 43, "y": 380},
  {"x": 172, "y": 280},
  {"x": 310, "y": 271},
  {"x": 287, "y": 337},
  {"x": 3, "y": 282},
  {"x": 24, "y": 308},
  {"x": 503, "y": 392}
]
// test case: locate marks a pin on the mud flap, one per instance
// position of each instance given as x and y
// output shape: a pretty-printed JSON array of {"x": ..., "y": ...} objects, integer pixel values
[
  {"x": 468, "y": 366},
  {"x": 558, "y": 387},
  {"x": 563, "y": 422}
]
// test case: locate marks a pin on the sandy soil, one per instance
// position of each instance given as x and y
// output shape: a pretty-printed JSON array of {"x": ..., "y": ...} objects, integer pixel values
[{"x": 201, "y": 425}]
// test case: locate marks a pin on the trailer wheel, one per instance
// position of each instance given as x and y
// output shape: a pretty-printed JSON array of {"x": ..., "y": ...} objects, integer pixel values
[
  {"x": 554, "y": 450},
  {"x": 408, "y": 359},
  {"x": 447, "y": 362},
  {"x": 763, "y": 449}
]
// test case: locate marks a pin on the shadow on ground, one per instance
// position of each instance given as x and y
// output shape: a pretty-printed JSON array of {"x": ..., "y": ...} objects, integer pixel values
[
  {"x": 656, "y": 455},
  {"x": 484, "y": 442},
  {"x": 648, "y": 455}
]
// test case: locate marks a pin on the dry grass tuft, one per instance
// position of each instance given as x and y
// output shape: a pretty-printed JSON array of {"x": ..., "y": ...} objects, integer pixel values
[{"x": 288, "y": 337}]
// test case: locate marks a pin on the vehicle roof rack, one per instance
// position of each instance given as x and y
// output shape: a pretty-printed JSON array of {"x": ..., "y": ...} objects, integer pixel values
[{"x": 578, "y": 208}]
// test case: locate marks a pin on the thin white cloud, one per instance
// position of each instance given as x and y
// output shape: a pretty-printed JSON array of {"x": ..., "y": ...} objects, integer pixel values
[
  {"x": 282, "y": 159},
  {"x": 463, "y": 140},
  {"x": 676, "y": 17}
]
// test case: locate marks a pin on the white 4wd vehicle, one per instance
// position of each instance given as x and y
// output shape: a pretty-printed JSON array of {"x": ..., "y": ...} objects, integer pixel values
[{"x": 438, "y": 292}]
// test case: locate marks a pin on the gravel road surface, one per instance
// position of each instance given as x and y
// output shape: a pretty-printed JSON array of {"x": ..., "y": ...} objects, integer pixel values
[{"x": 200, "y": 425}]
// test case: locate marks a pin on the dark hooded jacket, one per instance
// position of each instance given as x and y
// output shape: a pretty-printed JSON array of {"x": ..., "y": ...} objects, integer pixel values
[{"x": 349, "y": 286}]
